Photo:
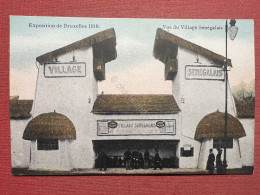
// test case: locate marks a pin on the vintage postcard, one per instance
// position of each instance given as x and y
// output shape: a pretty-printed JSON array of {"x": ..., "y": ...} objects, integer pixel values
[{"x": 131, "y": 96}]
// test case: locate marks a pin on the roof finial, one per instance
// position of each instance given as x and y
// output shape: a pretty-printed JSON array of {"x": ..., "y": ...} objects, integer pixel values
[
  {"x": 197, "y": 60},
  {"x": 102, "y": 92},
  {"x": 54, "y": 111},
  {"x": 217, "y": 110}
]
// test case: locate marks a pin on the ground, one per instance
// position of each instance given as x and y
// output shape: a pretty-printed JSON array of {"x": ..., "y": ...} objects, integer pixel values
[{"x": 120, "y": 171}]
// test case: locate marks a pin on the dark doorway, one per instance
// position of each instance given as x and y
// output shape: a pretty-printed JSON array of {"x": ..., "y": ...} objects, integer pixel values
[{"x": 115, "y": 150}]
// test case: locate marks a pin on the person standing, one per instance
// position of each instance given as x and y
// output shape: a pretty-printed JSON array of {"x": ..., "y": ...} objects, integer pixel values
[
  {"x": 128, "y": 159},
  {"x": 157, "y": 161},
  {"x": 210, "y": 162},
  {"x": 146, "y": 159},
  {"x": 219, "y": 164},
  {"x": 135, "y": 155},
  {"x": 140, "y": 160},
  {"x": 102, "y": 159}
]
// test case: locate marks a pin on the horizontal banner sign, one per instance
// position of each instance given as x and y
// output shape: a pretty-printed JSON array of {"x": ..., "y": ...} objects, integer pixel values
[
  {"x": 136, "y": 127},
  {"x": 65, "y": 69},
  {"x": 204, "y": 73}
]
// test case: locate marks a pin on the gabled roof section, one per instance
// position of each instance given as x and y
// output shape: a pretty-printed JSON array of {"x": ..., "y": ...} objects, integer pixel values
[
  {"x": 135, "y": 104},
  {"x": 160, "y": 50},
  {"x": 166, "y": 49},
  {"x": 106, "y": 38},
  {"x": 104, "y": 50}
]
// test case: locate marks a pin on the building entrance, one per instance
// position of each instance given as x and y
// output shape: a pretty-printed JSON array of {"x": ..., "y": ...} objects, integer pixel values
[{"x": 115, "y": 150}]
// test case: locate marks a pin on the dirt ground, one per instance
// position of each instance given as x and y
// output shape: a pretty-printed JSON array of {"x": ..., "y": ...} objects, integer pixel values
[{"x": 123, "y": 171}]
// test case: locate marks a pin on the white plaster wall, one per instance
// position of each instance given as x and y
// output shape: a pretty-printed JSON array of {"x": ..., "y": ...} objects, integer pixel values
[
  {"x": 140, "y": 137},
  {"x": 204, "y": 152},
  {"x": 139, "y": 117},
  {"x": 201, "y": 96},
  {"x": 247, "y": 142},
  {"x": 70, "y": 96},
  {"x": 184, "y": 162},
  {"x": 191, "y": 161},
  {"x": 20, "y": 148},
  {"x": 51, "y": 159},
  {"x": 233, "y": 154}
]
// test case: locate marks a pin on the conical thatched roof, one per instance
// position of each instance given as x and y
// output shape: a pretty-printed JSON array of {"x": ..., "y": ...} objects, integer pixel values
[
  {"x": 50, "y": 126},
  {"x": 213, "y": 126}
]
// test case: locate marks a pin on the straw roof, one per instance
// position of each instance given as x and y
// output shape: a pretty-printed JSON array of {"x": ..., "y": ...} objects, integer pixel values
[
  {"x": 135, "y": 104},
  {"x": 50, "y": 126},
  {"x": 107, "y": 36},
  {"x": 166, "y": 47},
  {"x": 20, "y": 109},
  {"x": 104, "y": 50},
  {"x": 213, "y": 126},
  {"x": 245, "y": 108}
]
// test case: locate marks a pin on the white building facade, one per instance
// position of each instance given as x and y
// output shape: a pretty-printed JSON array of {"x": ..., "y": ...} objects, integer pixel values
[{"x": 67, "y": 84}]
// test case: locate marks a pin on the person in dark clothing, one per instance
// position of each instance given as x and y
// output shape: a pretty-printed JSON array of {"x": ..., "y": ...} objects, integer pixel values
[
  {"x": 135, "y": 155},
  {"x": 140, "y": 160},
  {"x": 128, "y": 159},
  {"x": 102, "y": 158},
  {"x": 120, "y": 161},
  {"x": 210, "y": 162},
  {"x": 157, "y": 161},
  {"x": 219, "y": 164},
  {"x": 146, "y": 159}
]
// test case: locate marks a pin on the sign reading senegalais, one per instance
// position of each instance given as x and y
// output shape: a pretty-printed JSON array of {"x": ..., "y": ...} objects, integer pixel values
[
  {"x": 74, "y": 69},
  {"x": 202, "y": 72}
]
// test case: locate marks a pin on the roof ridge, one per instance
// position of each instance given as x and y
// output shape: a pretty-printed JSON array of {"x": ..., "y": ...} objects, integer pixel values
[
  {"x": 83, "y": 43},
  {"x": 164, "y": 35}
]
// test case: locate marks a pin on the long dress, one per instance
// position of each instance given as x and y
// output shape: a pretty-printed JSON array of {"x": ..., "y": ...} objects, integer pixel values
[
  {"x": 219, "y": 164},
  {"x": 210, "y": 163}
]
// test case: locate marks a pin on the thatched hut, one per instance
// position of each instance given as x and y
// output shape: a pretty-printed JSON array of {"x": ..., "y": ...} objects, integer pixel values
[
  {"x": 20, "y": 115},
  {"x": 246, "y": 114},
  {"x": 20, "y": 109},
  {"x": 50, "y": 135},
  {"x": 211, "y": 132},
  {"x": 245, "y": 108}
]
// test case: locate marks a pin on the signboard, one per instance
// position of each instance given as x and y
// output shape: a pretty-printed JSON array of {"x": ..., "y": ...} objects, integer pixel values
[
  {"x": 136, "y": 127},
  {"x": 74, "y": 69},
  {"x": 204, "y": 73}
]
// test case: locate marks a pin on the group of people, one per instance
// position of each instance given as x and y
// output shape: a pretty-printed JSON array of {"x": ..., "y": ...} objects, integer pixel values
[
  {"x": 211, "y": 162},
  {"x": 136, "y": 160},
  {"x": 133, "y": 160}
]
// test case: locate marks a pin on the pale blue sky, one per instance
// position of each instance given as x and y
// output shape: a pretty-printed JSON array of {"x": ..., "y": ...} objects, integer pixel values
[{"x": 135, "y": 40}]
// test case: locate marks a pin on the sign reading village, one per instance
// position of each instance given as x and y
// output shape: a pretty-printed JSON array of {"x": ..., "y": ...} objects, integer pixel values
[
  {"x": 136, "y": 127},
  {"x": 204, "y": 72},
  {"x": 75, "y": 69}
]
